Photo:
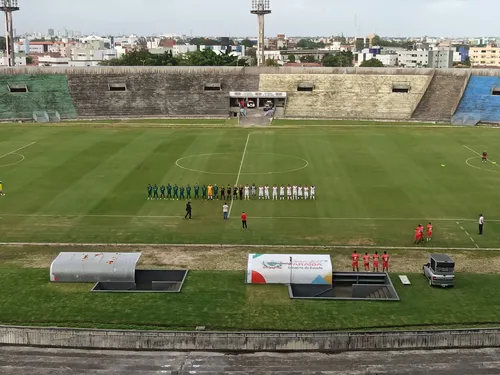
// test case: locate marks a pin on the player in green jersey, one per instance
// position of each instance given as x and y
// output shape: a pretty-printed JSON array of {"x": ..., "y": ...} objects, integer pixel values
[
  {"x": 176, "y": 192},
  {"x": 196, "y": 191},
  {"x": 162, "y": 191},
  {"x": 155, "y": 192},
  {"x": 150, "y": 192},
  {"x": 181, "y": 191},
  {"x": 169, "y": 191},
  {"x": 204, "y": 192},
  {"x": 216, "y": 192},
  {"x": 188, "y": 192}
]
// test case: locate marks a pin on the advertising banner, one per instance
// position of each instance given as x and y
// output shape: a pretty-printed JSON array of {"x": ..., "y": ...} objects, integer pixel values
[{"x": 289, "y": 269}]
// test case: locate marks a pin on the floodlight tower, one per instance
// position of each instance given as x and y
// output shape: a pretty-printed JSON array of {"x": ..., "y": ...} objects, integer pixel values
[
  {"x": 261, "y": 8},
  {"x": 8, "y": 7}
]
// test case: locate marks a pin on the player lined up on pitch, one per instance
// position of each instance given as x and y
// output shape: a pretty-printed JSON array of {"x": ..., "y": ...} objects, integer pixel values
[
  {"x": 246, "y": 192},
  {"x": 366, "y": 261}
]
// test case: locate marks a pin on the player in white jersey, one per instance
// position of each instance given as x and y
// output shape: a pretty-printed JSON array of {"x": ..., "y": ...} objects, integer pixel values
[
  {"x": 247, "y": 192},
  {"x": 300, "y": 192},
  {"x": 282, "y": 193},
  {"x": 254, "y": 191},
  {"x": 313, "y": 192},
  {"x": 275, "y": 193},
  {"x": 289, "y": 192},
  {"x": 294, "y": 191},
  {"x": 306, "y": 192},
  {"x": 261, "y": 192},
  {"x": 266, "y": 191}
]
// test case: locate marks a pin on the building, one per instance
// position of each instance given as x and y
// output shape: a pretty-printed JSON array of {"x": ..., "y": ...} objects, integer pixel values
[
  {"x": 49, "y": 60},
  {"x": 485, "y": 56},
  {"x": 51, "y": 33},
  {"x": 20, "y": 60},
  {"x": 388, "y": 59},
  {"x": 438, "y": 59},
  {"x": 441, "y": 58}
]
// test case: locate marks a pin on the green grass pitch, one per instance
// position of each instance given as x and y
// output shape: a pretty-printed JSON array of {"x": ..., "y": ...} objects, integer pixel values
[{"x": 374, "y": 184}]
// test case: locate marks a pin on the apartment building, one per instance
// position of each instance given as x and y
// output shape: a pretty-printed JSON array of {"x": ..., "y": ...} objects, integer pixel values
[{"x": 485, "y": 56}]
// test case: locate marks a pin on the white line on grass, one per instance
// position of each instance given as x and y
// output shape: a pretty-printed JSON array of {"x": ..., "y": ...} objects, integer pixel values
[
  {"x": 232, "y": 246},
  {"x": 239, "y": 172},
  {"x": 19, "y": 149},
  {"x": 253, "y": 217},
  {"x": 478, "y": 154},
  {"x": 468, "y": 235}
]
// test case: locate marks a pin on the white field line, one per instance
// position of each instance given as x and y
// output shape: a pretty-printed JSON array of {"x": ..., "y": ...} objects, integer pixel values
[
  {"x": 239, "y": 171},
  {"x": 19, "y": 149},
  {"x": 478, "y": 154},
  {"x": 232, "y": 246},
  {"x": 468, "y": 235},
  {"x": 253, "y": 217}
]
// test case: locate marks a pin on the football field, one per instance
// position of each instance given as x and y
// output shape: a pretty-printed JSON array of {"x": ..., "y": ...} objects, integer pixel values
[{"x": 374, "y": 184}]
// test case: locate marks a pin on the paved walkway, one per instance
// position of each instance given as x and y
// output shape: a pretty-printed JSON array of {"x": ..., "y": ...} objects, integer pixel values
[{"x": 24, "y": 361}]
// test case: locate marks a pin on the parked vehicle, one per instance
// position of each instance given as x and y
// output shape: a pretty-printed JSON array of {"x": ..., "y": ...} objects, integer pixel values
[
  {"x": 440, "y": 270},
  {"x": 251, "y": 104}
]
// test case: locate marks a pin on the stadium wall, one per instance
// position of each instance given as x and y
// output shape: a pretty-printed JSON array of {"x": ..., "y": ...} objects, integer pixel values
[
  {"x": 346, "y": 93},
  {"x": 248, "y": 341}
]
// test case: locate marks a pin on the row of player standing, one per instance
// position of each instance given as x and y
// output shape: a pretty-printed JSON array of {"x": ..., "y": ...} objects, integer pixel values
[
  {"x": 366, "y": 261},
  {"x": 210, "y": 192}
]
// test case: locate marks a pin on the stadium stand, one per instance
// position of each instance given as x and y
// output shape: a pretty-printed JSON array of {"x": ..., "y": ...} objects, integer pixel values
[
  {"x": 348, "y": 96},
  {"x": 157, "y": 92},
  {"x": 481, "y": 100},
  {"x": 22, "y": 96},
  {"x": 441, "y": 98}
]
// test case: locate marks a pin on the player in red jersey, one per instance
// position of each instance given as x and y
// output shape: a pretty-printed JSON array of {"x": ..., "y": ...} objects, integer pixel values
[
  {"x": 484, "y": 157},
  {"x": 355, "y": 261},
  {"x": 385, "y": 262},
  {"x": 366, "y": 262},
  {"x": 417, "y": 235},
  {"x": 375, "y": 261},
  {"x": 429, "y": 231}
]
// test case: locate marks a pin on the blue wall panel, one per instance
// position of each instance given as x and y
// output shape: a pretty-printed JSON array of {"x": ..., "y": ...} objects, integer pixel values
[{"x": 477, "y": 99}]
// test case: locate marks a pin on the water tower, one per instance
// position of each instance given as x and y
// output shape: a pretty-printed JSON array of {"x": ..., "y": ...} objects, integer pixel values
[
  {"x": 261, "y": 8},
  {"x": 8, "y": 7}
]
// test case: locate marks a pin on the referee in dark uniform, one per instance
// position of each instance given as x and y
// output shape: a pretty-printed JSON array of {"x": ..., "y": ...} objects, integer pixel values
[{"x": 188, "y": 210}]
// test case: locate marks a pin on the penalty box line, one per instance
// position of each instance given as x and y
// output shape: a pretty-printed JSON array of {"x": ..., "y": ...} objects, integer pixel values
[
  {"x": 239, "y": 172},
  {"x": 467, "y": 234},
  {"x": 478, "y": 154},
  {"x": 19, "y": 149}
]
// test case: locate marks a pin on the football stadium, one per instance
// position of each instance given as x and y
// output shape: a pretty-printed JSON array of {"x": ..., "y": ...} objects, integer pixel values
[{"x": 383, "y": 150}]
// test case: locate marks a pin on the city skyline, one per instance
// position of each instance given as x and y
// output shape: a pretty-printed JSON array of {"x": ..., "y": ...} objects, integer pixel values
[{"x": 292, "y": 17}]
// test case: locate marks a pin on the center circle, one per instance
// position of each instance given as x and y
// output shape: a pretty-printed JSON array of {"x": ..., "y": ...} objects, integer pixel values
[
  {"x": 11, "y": 159},
  {"x": 257, "y": 159},
  {"x": 489, "y": 167}
]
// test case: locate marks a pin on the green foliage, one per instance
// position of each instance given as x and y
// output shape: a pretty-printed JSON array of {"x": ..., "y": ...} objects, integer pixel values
[
  {"x": 372, "y": 63},
  {"x": 271, "y": 62},
  {"x": 342, "y": 59},
  {"x": 29, "y": 60},
  {"x": 360, "y": 44},
  {"x": 2, "y": 43},
  {"x": 142, "y": 57},
  {"x": 291, "y": 58},
  {"x": 309, "y": 44},
  {"x": 247, "y": 43},
  {"x": 378, "y": 41},
  {"x": 204, "y": 42},
  {"x": 307, "y": 59}
]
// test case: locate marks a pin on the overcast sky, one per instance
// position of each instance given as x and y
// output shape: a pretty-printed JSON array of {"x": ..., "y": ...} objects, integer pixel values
[{"x": 292, "y": 17}]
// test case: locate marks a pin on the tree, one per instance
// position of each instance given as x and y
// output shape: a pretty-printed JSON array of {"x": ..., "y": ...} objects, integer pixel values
[
  {"x": 360, "y": 44},
  {"x": 342, "y": 59},
  {"x": 271, "y": 62},
  {"x": 204, "y": 42},
  {"x": 372, "y": 63},
  {"x": 307, "y": 59},
  {"x": 2, "y": 43},
  {"x": 376, "y": 41},
  {"x": 29, "y": 60},
  {"x": 247, "y": 43},
  {"x": 291, "y": 58},
  {"x": 309, "y": 44}
]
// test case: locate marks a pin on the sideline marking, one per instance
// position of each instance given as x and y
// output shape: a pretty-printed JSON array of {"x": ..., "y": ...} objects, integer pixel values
[
  {"x": 253, "y": 217},
  {"x": 229, "y": 246},
  {"x": 16, "y": 162},
  {"x": 467, "y": 233},
  {"x": 239, "y": 172},
  {"x": 478, "y": 154},
  {"x": 306, "y": 164},
  {"x": 20, "y": 148}
]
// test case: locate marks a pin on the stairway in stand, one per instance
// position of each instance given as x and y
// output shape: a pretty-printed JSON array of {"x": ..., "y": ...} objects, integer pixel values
[{"x": 439, "y": 99}]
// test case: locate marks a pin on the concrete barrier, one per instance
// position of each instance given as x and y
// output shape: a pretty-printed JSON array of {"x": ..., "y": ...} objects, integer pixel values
[{"x": 247, "y": 341}]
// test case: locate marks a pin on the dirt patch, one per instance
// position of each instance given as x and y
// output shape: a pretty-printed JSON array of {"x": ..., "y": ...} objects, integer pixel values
[{"x": 360, "y": 242}]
